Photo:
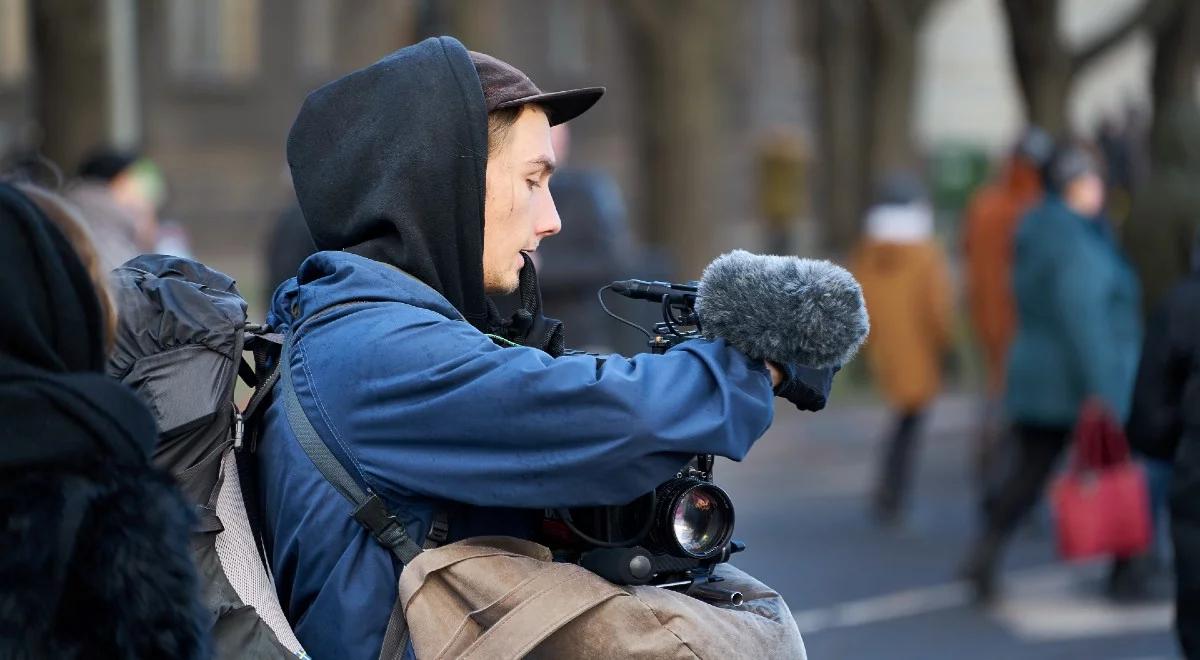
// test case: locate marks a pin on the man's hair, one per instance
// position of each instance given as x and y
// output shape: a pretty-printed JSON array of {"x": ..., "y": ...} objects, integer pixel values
[
  {"x": 69, "y": 221},
  {"x": 500, "y": 123}
]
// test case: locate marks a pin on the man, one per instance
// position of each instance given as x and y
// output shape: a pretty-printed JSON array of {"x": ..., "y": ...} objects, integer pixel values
[{"x": 424, "y": 204}]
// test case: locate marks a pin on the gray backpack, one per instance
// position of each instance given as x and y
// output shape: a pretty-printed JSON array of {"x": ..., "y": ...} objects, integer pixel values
[{"x": 181, "y": 335}]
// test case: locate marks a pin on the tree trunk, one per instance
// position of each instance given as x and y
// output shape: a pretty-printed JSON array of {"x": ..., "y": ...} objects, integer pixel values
[
  {"x": 866, "y": 52},
  {"x": 676, "y": 46},
  {"x": 843, "y": 114},
  {"x": 72, "y": 101},
  {"x": 1046, "y": 67},
  {"x": 1176, "y": 56},
  {"x": 896, "y": 31},
  {"x": 1043, "y": 65}
]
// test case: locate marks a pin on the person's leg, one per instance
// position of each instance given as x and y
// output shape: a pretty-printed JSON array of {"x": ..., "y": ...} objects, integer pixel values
[
  {"x": 896, "y": 469},
  {"x": 1038, "y": 451}
]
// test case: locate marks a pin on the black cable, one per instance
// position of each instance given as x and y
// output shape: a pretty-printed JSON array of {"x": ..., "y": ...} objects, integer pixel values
[{"x": 600, "y": 297}]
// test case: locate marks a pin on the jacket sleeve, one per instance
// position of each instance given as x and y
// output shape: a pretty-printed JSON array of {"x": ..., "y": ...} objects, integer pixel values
[
  {"x": 434, "y": 408},
  {"x": 1155, "y": 421}
]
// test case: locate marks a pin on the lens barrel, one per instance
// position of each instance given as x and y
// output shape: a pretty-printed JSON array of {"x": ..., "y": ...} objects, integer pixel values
[{"x": 693, "y": 517}]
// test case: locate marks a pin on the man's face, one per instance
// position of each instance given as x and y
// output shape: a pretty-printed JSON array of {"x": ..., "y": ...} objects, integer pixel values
[{"x": 518, "y": 211}]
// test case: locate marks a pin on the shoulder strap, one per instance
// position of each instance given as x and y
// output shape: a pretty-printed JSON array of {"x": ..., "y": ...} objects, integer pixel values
[{"x": 369, "y": 509}]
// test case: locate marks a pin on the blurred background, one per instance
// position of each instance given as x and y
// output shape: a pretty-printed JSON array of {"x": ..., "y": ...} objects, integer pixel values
[{"x": 813, "y": 127}]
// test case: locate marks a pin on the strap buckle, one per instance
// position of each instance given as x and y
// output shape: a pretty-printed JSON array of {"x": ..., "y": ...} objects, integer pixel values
[
  {"x": 239, "y": 428},
  {"x": 439, "y": 529}
]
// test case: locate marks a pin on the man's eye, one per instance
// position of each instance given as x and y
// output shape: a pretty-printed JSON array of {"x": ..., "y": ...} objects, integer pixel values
[{"x": 533, "y": 183}]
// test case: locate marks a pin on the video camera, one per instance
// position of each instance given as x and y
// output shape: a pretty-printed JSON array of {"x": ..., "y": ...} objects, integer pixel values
[{"x": 674, "y": 536}]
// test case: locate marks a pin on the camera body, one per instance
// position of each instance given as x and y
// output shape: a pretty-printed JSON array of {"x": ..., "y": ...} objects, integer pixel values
[{"x": 674, "y": 535}]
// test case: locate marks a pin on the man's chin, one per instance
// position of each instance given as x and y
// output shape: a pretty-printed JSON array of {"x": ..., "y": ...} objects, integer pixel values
[{"x": 503, "y": 288}]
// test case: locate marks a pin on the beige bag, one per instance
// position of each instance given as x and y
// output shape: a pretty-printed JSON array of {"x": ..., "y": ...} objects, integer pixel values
[{"x": 501, "y": 597}]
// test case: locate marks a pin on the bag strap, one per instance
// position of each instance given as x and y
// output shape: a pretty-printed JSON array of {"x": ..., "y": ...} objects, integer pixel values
[{"x": 369, "y": 509}]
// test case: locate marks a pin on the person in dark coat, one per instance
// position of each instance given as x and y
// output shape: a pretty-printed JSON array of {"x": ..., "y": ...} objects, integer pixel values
[
  {"x": 96, "y": 563},
  {"x": 1078, "y": 337},
  {"x": 287, "y": 246},
  {"x": 1165, "y": 424}
]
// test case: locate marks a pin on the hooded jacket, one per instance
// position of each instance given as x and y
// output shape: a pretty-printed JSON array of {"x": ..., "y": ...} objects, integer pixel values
[
  {"x": 95, "y": 561},
  {"x": 906, "y": 285},
  {"x": 1165, "y": 424},
  {"x": 1079, "y": 329},
  {"x": 413, "y": 399}
]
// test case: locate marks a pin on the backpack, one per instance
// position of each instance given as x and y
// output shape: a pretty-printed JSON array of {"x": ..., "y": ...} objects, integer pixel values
[{"x": 181, "y": 333}]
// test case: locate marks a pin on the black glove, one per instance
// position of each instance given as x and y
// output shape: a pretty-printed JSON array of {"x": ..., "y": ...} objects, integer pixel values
[
  {"x": 528, "y": 326},
  {"x": 806, "y": 388}
]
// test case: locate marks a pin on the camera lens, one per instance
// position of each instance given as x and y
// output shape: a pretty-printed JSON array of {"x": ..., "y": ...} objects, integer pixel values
[{"x": 701, "y": 518}]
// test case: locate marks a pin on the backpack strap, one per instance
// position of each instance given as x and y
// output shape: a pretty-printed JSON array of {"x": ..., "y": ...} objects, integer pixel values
[{"x": 369, "y": 509}]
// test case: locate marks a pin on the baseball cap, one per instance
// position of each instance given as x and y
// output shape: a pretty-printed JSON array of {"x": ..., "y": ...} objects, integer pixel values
[{"x": 505, "y": 86}]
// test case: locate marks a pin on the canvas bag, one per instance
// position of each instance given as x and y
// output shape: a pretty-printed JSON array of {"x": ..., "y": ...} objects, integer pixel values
[
  {"x": 502, "y": 597},
  {"x": 1101, "y": 504}
]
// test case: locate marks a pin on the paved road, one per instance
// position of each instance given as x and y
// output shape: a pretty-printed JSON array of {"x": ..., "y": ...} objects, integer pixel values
[{"x": 861, "y": 591}]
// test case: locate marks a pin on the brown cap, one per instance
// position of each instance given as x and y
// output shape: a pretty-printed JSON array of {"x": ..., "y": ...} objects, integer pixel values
[{"x": 505, "y": 86}]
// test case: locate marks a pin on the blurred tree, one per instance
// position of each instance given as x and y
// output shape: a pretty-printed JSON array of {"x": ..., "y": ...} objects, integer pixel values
[
  {"x": 679, "y": 48},
  {"x": 1166, "y": 210},
  {"x": 1046, "y": 65},
  {"x": 72, "y": 98},
  {"x": 866, "y": 55}
]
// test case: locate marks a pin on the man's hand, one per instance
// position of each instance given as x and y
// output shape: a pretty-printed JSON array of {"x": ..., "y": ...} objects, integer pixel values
[{"x": 807, "y": 389}]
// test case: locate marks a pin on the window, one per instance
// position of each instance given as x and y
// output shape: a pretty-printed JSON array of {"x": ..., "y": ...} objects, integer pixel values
[
  {"x": 214, "y": 40},
  {"x": 14, "y": 41}
]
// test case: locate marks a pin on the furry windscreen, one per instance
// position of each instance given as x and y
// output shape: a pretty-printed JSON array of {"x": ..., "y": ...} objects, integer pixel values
[{"x": 784, "y": 309}]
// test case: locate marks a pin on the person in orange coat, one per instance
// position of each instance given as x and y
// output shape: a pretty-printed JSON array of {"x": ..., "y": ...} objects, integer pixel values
[
  {"x": 991, "y": 221},
  {"x": 906, "y": 283}
]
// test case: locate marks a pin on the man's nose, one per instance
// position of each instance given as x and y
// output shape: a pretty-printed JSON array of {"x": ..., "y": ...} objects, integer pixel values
[{"x": 549, "y": 223}]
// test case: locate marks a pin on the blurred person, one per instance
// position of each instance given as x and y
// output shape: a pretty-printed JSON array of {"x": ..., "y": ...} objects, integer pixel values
[
  {"x": 96, "y": 561},
  {"x": 594, "y": 248},
  {"x": 1164, "y": 423},
  {"x": 288, "y": 245},
  {"x": 119, "y": 195},
  {"x": 991, "y": 221},
  {"x": 906, "y": 284},
  {"x": 1078, "y": 337}
]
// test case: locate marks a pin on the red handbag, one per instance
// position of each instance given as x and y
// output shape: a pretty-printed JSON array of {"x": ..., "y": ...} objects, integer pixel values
[{"x": 1101, "y": 504}]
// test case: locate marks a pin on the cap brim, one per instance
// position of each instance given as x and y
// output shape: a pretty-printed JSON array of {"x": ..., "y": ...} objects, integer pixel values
[{"x": 561, "y": 106}]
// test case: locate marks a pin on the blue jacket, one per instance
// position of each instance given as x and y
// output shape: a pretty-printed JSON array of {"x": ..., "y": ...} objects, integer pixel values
[
  {"x": 1079, "y": 325},
  {"x": 428, "y": 412}
]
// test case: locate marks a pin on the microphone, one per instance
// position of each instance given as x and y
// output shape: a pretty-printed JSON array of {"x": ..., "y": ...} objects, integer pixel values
[
  {"x": 654, "y": 291},
  {"x": 783, "y": 309}
]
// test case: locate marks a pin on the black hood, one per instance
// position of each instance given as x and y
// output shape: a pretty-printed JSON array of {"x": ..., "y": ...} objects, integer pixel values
[
  {"x": 388, "y": 163},
  {"x": 57, "y": 408}
]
